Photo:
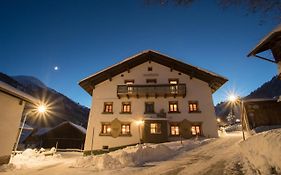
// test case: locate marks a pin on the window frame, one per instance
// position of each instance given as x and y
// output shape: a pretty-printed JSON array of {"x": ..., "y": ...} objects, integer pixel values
[
  {"x": 105, "y": 108},
  {"x": 191, "y": 107},
  {"x": 126, "y": 133},
  {"x": 173, "y": 108},
  {"x": 174, "y": 125},
  {"x": 157, "y": 129},
  {"x": 145, "y": 107},
  {"x": 125, "y": 111},
  {"x": 196, "y": 133},
  {"x": 104, "y": 129}
]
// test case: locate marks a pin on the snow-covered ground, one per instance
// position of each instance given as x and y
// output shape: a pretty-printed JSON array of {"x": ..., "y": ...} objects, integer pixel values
[{"x": 202, "y": 156}]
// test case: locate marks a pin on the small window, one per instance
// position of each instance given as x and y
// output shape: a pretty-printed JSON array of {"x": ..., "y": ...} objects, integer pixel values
[
  {"x": 155, "y": 128},
  {"x": 175, "y": 130},
  {"x": 125, "y": 129},
  {"x": 151, "y": 81},
  {"x": 108, "y": 107},
  {"x": 173, "y": 106},
  {"x": 149, "y": 107},
  {"x": 126, "y": 107},
  {"x": 129, "y": 88},
  {"x": 195, "y": 130},
  {"x": 193, "y": 107},
  {"x": 149, "y": 69},
  {"x": 105, "y": 128},
  {"x": 173, "y": 86}
]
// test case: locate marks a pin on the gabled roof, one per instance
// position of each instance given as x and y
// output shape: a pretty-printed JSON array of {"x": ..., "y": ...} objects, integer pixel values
[
  {"x": 17, "y": 93},
  {"x": 215, "y": 81},
  {"x": 267, "y": 41},
  {"x": 77, "y": 127}
]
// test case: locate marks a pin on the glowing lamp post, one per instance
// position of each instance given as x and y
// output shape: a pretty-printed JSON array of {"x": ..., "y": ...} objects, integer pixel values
[{"x": 41, "y": 109}]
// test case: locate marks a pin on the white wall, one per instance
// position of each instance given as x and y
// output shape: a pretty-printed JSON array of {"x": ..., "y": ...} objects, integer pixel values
[
  {"x": 106, "y": 91},
  {"x": 10, "y": 116}
]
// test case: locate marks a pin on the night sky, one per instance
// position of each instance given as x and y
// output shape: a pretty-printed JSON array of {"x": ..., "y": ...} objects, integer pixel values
[{"x": 80, "y": 38}]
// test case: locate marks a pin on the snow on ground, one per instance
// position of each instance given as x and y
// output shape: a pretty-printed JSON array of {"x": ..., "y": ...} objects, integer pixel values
[
  {"x": 259, "y": 154},
  {"x": 263, "y": 151}
]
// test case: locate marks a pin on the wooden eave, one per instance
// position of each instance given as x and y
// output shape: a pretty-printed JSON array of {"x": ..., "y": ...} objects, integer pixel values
[
  {"x": 215, "y": 81},
  {"x": 267, "y": 42}
]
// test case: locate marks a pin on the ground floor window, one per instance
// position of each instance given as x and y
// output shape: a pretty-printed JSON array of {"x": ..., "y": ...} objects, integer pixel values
[
  {"x": 155, "y": 128},
  {"x": 196, "y": 130},
  {"x": 125, "y": 129},
  {"x": 175, "y": 130},
  {"x": 105, "y": 128}
]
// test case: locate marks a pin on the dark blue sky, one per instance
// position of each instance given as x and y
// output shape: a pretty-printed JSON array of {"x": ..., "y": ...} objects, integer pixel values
[{"x": 83, "y": 37}]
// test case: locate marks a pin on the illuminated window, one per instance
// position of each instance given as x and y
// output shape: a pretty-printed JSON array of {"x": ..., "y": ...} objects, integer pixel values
[
  {"x": 173, "y": 106},
  {"x": 149, "y": 107},
  {"x": 126, "y": 107},
  {"x": 173, "y": 86},
  {"x": 193, "y": 107},
  {"x": 175, "y": 130},
  {"x": 105, "y": 128},
  {"x": 155, "y": 128},
  {"x": 128, "y": 83},
  {"x": 108, "y": 107},
  {"x": 195, "y": 130},
  {"x": 125, "y": 129}
]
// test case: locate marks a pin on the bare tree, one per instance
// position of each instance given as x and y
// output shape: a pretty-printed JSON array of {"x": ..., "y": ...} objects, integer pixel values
[{"x": 268, "y": 9}]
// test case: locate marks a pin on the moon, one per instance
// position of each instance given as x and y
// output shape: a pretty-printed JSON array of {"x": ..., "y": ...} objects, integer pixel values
[{"x": 56, "y": 68}]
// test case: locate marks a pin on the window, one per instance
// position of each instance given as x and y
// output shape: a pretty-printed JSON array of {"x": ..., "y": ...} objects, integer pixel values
[
  {"x": 125, "y": 129},
  {"x": 173, "y": 106},
  {"x": 105, "y": 128},
  {"x": 108, "y": 107},
  {"x": 149, "y": 69},
  {"x": 195, "y": 130},
  {"x": 149, "y": 107},
  {"x": 151, "y": 81},
  {"x": 173, "y": 86},
  {"x": 126, "y": 107},
  {"x": 193, "y": 107},
  {"x": 155, "y": 128},
  {"x": 175, "y": 130},
  {"x": 128, "y": 83}
]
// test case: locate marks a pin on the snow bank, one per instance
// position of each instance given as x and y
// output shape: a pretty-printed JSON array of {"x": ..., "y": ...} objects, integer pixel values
[
  {"x": 33, "y": 157},
  {"x": 137, "y": 155},
  {"x": 263, "y": 151}
]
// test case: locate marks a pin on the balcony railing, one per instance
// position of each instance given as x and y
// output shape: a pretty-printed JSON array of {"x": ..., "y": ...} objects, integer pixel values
[{"x": 159, "y": 90}]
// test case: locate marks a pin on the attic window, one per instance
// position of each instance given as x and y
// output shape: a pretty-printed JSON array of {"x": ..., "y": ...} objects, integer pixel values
[{"x": 149, "y": 69}]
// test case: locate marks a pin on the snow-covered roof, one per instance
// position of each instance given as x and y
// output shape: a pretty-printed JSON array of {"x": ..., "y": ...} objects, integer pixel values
[
  {"x": 4, "y": 87},
  {"x": 266, "y": 42},
  {"x": 81, "y": 128},
  {"x": 41, "y": 131},
  {"x": 214, "y": 80}
]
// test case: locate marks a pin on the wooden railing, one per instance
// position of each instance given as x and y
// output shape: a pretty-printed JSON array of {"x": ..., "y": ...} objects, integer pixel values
[{"x": 158, "y": 90}]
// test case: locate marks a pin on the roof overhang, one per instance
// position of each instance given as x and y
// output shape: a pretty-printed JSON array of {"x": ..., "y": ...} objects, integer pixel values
[
  {"x": 7, "y": 89},
  {"x": 215, "y": 81},
  {"x": 267, "y": 43}
]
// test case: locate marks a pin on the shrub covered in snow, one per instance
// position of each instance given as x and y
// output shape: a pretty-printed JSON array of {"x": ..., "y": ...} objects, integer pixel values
[{"x": 263, "y": 151}]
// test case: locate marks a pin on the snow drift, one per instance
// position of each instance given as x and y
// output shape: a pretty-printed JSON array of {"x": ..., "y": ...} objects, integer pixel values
[{"x": 263, "y": 151}]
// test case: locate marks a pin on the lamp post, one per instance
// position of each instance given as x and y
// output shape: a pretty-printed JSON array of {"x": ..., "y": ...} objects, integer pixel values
[{"x": 40, "y": 109}]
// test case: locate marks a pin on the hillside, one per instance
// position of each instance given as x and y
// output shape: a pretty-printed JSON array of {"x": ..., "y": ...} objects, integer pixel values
[
  {"x": 269, "y": 89},
  {"x": 62, "y": 108}
]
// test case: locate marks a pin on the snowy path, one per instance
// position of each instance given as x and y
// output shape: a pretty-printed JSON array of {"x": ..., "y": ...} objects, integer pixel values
[
  {"x": 218, "y": 157},
  {"x": 221, "y": 156}
]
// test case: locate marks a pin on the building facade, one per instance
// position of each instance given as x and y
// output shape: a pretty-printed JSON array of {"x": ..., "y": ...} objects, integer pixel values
[
  {"x": 12, "y": 102},
  {"x": 150, "y": 97}
]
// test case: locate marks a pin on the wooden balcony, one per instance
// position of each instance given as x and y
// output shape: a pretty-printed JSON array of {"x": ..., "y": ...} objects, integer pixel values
[{"x": 157, "y": 90}]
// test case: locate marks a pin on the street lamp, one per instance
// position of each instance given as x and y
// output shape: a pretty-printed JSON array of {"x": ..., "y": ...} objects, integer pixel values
[
  {"x": 41, "y": 109},
  {"x": 233, "y": 99}
]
